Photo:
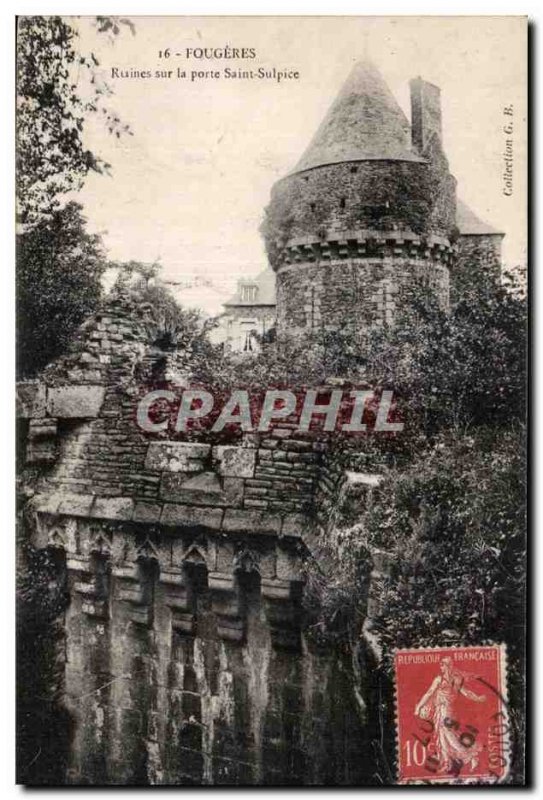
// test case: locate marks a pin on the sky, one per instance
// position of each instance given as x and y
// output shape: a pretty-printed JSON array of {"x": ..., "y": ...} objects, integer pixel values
[{"x": 190, "y": 186}]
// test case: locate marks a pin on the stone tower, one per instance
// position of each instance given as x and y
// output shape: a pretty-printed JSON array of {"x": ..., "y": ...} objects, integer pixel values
[{"x": 368, "y": 210}]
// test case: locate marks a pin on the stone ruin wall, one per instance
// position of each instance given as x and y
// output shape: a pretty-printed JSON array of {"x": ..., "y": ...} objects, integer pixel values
[{"x": 188, "y": 657}]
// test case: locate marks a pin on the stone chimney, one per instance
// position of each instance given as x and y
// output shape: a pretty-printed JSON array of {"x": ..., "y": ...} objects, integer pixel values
[{"x": 425, "y": 113}]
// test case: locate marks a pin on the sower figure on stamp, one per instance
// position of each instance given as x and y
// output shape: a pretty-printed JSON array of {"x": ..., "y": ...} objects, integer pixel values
[{"x": 452, "y": 749}]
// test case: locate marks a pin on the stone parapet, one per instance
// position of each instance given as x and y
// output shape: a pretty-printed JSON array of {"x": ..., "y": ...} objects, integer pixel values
[
  {"x": 174, "y": 515},
  {"x": 110, "y": 562},
  {"x": 367, "y": 244}
]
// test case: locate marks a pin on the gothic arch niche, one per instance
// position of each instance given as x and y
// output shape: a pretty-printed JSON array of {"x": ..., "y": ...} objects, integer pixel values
[
  {"x": 101, "y": 542},
  {"x": 196, "y": 575},
  {"x": 247, "y": 575},
  {"x": 147, "y": 558},
  {"x": 101, "y": 570},
  {"x": 56, "y": 540},
  {"x": 195, "y": 567},
  {"x": 56, "y": 565}
]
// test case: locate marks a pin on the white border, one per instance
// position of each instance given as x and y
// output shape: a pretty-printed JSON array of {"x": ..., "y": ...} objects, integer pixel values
[{"x": 9, "y": 9}]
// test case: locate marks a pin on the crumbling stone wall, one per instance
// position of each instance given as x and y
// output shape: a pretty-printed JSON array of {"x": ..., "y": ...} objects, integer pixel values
[
  {"x": 188, "y": 657},
  {"x": 187, "y": 661}
]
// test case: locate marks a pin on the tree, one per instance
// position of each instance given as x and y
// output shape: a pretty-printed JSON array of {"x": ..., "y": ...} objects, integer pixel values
[
  {"x": 449, "y": 535},
  {"x": 456, "y": 370},
  {"x": 453, "y": 528},
  {"x": 447, "y": 523},
  {"x": 58, "y": 284},
  {"x": 58, "y": 87}
]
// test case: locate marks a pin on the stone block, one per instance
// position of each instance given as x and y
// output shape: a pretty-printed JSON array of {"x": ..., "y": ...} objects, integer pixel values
[
  {"x": 255, "y": 503},
  {"x": 113, "y": 507},
  {"x": 231, "y": 628},
  {"x": 298, "y": 446},
  {"x": 174, "y": 579},
  {"x": 45, "y": 428},
  {"x": 30, "y": 399},
  {"x": 249, "y": 521},
  {"x": 76, "y": 562},
  {"x": 221, "y": 581},
  {"x": 183, "y": 622},
  {"x": 41, "y": 451},
  {"x": 79, "y": 505},
  {"x": 88, "y": 358},
  {"x": 147, "y": 512},
  {"x": 75, "y": 402},
  {"x": 47, "y": 503},
  {"x": 296, "y": 525},
  {"x": 224, "y": 556},
  {"x": 259, "y": 483},
  {"x": 127, "y": 570},
  {"x": 275, "y": 589},
  {"x": 363, "y": 479},
  {"x": 177, "y": 456},
  {"x": 205, "y": 489},
  {"x": 189, "y": 516},
  {"x": 266, "y": 563},
  {"x": 235, "y": 462},
  {"x": 281, "y": 433},
  {"x": 287, "y": 566}
]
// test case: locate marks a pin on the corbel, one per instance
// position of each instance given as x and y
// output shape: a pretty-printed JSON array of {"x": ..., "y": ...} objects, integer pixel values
[
  {"x": 226, "y": 604},
  {"x": 178, "y": 599},
  {"x": 283, "y": 612}
]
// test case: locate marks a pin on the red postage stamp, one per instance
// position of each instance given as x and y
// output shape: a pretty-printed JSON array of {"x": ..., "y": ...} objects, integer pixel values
[{"x": 451, "y": 716}]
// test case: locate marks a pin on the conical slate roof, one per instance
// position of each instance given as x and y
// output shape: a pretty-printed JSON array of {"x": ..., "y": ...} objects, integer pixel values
[
  {"x": 468, "y": 222},
  {"x": 364, "y": 123}
]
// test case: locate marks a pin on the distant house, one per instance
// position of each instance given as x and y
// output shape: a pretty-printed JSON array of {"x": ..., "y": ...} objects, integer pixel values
[{"x": 250, "y": 313}]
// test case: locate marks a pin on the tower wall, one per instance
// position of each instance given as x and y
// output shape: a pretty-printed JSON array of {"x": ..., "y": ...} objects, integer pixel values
[
  {"x": 334, "y": 291},
  {"x": 346, "y": 240}
]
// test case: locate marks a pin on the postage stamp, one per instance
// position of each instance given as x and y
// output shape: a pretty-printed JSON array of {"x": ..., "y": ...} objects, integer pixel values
[{"x": 452, "y": 724}]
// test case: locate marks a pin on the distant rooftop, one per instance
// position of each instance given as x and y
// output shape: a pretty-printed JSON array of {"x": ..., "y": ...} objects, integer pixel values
[
  {"x": 470, "y": 224},
  {"x": 257, "y": 291},
  {"x": 364, "y": 122}
]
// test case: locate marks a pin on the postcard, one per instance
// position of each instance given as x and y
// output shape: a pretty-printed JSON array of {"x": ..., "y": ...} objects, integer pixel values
[{"x": 272, "y": 367}]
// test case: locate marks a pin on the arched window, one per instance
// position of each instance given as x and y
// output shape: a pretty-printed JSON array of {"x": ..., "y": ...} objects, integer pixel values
[{"x": 248, "y": 343}]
